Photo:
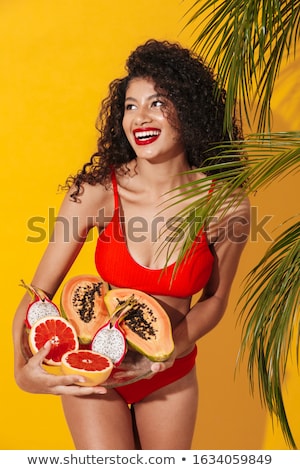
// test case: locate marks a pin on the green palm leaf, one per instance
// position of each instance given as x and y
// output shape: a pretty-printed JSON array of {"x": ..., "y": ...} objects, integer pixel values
[
  {"x": 271, "y": 311},
  {"x": 245, "y": 42},
  {"x": 269, "y": 158}
]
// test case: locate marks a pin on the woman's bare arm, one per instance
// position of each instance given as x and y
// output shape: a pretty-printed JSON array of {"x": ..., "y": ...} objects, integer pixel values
[
  {"x": 230, "y": 237},
  {"x": 70, "y": 231}
]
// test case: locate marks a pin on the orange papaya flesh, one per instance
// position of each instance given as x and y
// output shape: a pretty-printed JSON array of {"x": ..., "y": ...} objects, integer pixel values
[
  {"x": 146, "y": 325},
  {"x": 82, "y": 304}
]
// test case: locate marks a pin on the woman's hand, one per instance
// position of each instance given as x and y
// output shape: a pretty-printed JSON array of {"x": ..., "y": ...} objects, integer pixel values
[
  {"x": 34, "y": 379},
  {"x": 160, "y": 366}
]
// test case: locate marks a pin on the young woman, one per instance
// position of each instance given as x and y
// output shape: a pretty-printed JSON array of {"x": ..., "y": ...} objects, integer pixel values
[{"x": 158, "y": 122}]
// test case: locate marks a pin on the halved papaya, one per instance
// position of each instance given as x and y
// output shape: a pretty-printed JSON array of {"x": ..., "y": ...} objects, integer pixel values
[
  {"x": 146, "y": 325},
  {"x": 82, "y": 303}
]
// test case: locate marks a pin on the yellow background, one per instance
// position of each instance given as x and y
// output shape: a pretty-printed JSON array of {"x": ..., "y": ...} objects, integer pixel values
[{"x": 57, "y": 58}]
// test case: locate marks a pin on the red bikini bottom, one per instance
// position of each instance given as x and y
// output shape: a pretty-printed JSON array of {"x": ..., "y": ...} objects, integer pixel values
[{"x": 135, "y": 392}]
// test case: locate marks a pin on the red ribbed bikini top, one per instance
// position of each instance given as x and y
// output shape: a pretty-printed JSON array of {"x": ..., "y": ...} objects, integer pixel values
[{"x": 116, "y": 266}]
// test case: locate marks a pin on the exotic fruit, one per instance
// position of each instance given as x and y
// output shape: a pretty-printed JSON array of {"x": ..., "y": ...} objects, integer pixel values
[
  {"x": 94, "y": 367},
  {"x": 146, "y": 325},
  {"x": 110, "y": 339},
  {"x": 59, "y": 332},
  {"x": 40, "y": 307},
  {"x": 82, "y": 303}
]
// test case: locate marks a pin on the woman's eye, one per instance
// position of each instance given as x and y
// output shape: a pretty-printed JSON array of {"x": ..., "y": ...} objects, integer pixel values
[
  {"x": 157, "y": 104},
  {"x": 130, "y": 106}
]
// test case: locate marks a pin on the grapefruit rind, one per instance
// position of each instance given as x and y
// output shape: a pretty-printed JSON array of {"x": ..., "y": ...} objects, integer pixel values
[
  {"x": 92, "y": 377},
  {"x": 46, "y": 329}
]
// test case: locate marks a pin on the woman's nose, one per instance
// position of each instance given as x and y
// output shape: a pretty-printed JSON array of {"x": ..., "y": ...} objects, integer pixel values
[{"x": 142, "y": 116}]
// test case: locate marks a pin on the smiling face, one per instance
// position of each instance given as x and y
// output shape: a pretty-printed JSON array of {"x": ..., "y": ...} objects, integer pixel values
[{"x": 149, "y": 122}]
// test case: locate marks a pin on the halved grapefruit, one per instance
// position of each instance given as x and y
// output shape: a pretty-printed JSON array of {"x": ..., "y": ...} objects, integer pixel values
[
  {"x": 95, "y": 367},
  {"x": 59, "y": 331}
]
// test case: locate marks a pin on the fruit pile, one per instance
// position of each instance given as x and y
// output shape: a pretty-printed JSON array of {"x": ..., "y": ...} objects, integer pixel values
[{"x": 92, "y": 330}]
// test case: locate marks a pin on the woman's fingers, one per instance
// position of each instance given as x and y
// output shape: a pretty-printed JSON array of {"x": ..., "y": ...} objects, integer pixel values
[
  {"x": 78, "y": 390},
  {"x": 57, "y": 384},
  {"x": 68, "y": 385}
]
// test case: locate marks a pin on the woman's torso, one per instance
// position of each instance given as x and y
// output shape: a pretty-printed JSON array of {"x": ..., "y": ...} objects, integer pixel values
[{"x": 130, "y": 253}]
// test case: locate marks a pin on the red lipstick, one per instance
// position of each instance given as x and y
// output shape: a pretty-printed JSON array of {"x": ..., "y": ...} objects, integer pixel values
[{"x": 146, "y": 135}]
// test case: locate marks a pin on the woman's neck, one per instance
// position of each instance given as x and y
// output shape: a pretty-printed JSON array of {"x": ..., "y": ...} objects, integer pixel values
[{"x": 163, "y": 175}]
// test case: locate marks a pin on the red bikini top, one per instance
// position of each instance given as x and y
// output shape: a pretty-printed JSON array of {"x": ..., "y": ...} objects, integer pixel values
[{"x": 116, "y": 266}]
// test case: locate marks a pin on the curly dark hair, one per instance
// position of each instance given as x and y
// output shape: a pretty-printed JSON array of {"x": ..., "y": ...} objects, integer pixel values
[{"x": 191, "y": 87}]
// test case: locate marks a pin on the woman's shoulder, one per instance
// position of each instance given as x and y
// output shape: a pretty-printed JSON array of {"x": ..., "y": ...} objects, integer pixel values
[
  {"x": 232, "y": 219},
  {"x": 89, "y": 193},
  {"x": 93, "y": 202},
  {"x": 231, "y": 200}
]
